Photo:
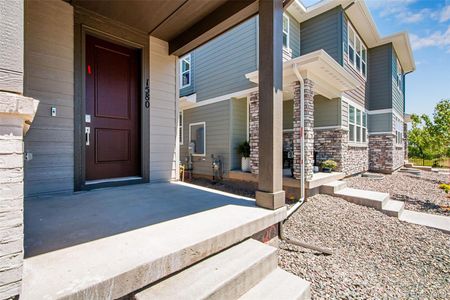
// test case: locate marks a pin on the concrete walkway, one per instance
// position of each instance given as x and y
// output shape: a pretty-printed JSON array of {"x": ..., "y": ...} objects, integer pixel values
[
  {"x": 383, "y": 203},
  {"x": 433, "y": 221}
]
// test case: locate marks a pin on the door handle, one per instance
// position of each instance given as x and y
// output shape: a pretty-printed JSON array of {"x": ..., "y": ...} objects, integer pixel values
[{"x": 88, "y": 135}]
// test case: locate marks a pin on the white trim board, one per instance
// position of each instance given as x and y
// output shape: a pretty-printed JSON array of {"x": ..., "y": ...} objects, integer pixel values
[
  {"x": 385, "y": 111},
  {"x": 239, "y": 94},
  {"x": 331, "y": 127}
]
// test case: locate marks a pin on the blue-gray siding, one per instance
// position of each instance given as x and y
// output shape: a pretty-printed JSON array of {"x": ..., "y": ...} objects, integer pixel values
[
  {"x": 327, "y": 112},
  {"x": 220, "y": 65},
  {"x": 323, "y": 32},
  {"x": 380, "y": 122},
  {"x": 379, "y": 74},
  {"x": 294, "y": 36},
  {"x": 397, "y": 92},
  {"x": 217, "y": 118}
]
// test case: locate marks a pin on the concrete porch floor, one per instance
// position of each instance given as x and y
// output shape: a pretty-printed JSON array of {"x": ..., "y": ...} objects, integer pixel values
[
  {"x": 108, "y": 243},
  {"x": 60, "y": 221}
]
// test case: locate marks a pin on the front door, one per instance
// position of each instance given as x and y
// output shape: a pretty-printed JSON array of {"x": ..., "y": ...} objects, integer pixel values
[{"x": 112, "y": 110}]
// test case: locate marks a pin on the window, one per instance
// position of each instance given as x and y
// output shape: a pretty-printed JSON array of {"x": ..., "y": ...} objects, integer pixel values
[
  {"x": 180, "y": 127},
  {"x": 399, "y": 76},
  {"x": 398, "y": 137},
  {"x": 357, "y": 125},
  {"x": 285, "y": 31},
  {"x": 357, "y": 52},
  {"x": 197, "y": 136},
  {"x": 185, "y": 71}
]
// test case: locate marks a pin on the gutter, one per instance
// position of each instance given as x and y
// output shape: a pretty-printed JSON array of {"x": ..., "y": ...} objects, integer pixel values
[{"x": 302, "y": 135}]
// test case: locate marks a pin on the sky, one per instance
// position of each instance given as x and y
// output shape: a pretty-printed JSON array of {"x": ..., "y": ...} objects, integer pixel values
[{"x": 428, "y": 24}]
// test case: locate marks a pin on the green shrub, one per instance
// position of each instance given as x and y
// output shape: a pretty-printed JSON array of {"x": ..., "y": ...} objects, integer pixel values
[
  {"x": 244, "y": 149},
  {"x": 445, "y": 187},
  {"x": 330, "y": 164}
]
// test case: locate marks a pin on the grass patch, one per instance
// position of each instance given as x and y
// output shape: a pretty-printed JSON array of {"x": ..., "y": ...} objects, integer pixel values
[{"x": 442, "y": 163}]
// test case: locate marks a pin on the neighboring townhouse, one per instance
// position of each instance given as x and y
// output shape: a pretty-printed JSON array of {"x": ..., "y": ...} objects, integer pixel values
[{"x": 346, "y": 81}]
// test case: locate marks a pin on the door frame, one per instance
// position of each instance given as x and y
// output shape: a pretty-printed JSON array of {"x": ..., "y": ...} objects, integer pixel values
[{"x": 121, "y": 35}]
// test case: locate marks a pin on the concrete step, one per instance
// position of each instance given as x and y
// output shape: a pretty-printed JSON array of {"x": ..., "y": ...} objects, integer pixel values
[
  {"x": 226, "y": 275},
  {"x": 363, "y": 197},
  {"x": 332, "y": 187},
  {"x": 113, "y": 267},
  {"x": 280, "y": 285},
  {"x": 394, "y": 208}
]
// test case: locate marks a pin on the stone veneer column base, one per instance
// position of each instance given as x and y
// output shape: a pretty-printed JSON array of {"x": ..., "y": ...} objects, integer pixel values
[
  {"x": 384, "y": 155},
  {"x": 14, "y": 111},
  {"x": 254, "y": 132},
  {"x": 308, "y": 129}
]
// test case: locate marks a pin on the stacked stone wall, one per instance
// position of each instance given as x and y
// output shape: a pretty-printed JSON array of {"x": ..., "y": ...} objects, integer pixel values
[
  {"x": 384, "y": 155},
  {"x": 356, "y": 160},
  {"x": 330, "y": 144}
]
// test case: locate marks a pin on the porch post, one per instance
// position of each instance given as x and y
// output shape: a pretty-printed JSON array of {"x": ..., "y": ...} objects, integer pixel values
[
  {"x": 309, "y": 128},
  {"x": 270, "y": 193},
  {"x": 15, "y": 110}
]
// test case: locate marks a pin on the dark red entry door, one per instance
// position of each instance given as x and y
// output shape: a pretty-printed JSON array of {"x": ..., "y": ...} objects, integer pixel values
[{"x": 112, "y": 110}]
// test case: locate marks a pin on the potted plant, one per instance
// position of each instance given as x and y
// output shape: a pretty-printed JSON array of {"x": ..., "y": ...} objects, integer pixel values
[
  {"x": 329, "y": 165},
  {"x": 244, "y": 150}
]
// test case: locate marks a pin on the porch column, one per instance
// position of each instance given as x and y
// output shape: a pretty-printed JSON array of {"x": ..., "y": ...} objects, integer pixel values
[
  {"x": 270, "y": 192},
  {"x": 15, "y": 110}
]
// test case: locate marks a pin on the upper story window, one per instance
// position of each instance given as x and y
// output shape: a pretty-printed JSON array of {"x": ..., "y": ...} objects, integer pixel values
[
  {"x": 185, "y": 71},
  {"x": 357, "y": 125},
  {"x": 285, "y": 31},
  {"x": 399, "y": 76},
  {"x": 357, "y": 52}
]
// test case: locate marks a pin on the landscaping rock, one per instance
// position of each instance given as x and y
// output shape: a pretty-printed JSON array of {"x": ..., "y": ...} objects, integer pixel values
[{"x": 374, "y": 256}]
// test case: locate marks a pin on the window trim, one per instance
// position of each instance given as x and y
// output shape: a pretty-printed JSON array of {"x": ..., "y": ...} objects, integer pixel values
[
  {"x": 188, "y": 59},
  {"x": 358, "y": 128},
  {"x": 399, "y": 76},
  {"x": 204, "y": 137},
  {"x": 180, "y": 127},
  {"x": 288, "y": 42},
  {"x": 362, "y": 47}
]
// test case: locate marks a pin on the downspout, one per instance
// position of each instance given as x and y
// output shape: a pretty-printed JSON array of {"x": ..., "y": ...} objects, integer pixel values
[{"x": 302, "y": 134}]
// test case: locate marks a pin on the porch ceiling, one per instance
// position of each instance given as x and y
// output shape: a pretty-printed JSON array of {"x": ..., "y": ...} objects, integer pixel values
[
  {"x": 330, "y": 78},
  {"x": 185, "y": 24}
]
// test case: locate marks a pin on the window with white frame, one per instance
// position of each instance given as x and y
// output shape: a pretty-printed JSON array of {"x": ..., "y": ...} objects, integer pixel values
[
  {"x": 398, "y": 131},
  {"x": 180, "y": 127},
  {"x": 197, "y": 136},
  {"x": 357, "y": 52},
  {"x": 357, "y": 125},
  {"x": 185, "y": 71},
  {"x": 285, "y": 31},
  {"x": 399, "y": 76}
]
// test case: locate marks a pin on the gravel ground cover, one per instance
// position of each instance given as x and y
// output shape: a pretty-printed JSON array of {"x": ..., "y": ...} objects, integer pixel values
[
  {"x": 420, "y": 193},
  {"x": 374, "y": 256}
]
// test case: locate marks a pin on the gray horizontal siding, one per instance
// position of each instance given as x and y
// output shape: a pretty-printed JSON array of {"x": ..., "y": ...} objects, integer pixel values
[
  {"x": 221, "y": 64},
  {"x": 380, "y": 77},
  {"x": 397, "y": 93},
  {"x": 238, "y": 131},
  {"x": 380, "y": 122},
  {"x": 49, "y": 77},
  {"x": 326, "y": 111},
  {"x": 288, "y": 114},
  {"x": 323, "y": 32},
  {"x": 217, "y": 118}
]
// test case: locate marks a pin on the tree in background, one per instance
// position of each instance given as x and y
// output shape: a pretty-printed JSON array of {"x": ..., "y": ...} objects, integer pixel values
[{"x": 430, "y": 139}]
